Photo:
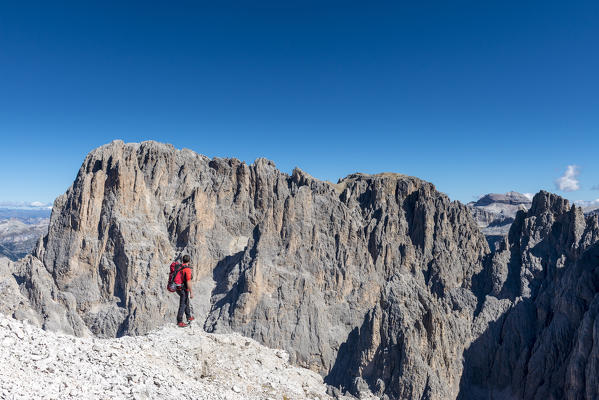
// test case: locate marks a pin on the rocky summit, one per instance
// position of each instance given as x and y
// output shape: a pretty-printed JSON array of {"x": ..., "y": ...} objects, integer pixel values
[{"x": 379, "y": 283}]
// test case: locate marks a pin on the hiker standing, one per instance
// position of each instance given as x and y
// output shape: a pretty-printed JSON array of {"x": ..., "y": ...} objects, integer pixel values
[{"x": 182, "y": 280}]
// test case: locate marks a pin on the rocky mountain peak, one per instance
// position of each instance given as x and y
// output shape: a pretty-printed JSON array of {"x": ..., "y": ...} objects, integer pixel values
[{"x": 545, "y": 202}]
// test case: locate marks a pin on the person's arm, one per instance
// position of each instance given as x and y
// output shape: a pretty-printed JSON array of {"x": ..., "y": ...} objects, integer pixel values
[
  {"x": 189, "y": 285},
  {"x": 189, "y": 289}
]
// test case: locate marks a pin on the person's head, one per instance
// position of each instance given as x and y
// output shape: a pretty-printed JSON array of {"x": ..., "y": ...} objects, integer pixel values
[{"x": 185, "y": 259}]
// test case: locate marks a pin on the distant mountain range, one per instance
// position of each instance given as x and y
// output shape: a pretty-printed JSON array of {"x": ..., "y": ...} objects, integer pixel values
[
  {"x": 20, "y": 229},
  {"x": 494, "y": 213}
]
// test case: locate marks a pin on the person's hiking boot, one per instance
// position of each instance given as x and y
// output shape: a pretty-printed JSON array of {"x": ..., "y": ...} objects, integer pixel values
[
  {"x": 181, "y": 324},
  {"x": 190, "y": 319}
]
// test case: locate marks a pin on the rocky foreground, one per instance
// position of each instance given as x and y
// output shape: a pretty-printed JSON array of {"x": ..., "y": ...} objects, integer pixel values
[{"x": 169, "y": 363}]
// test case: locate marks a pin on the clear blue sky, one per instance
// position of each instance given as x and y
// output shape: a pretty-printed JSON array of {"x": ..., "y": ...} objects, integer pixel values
[{"x": 474, "y": 96}]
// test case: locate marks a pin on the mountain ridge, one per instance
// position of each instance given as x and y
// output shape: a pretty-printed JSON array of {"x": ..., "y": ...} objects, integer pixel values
[{"x": 379, "y": 282}]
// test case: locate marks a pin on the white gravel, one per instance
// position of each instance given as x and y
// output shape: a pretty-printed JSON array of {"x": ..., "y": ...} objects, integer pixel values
[{"x": 172, "y": 362}]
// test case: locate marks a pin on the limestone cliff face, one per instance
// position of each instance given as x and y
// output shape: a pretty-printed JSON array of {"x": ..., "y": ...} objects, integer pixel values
[
  {"x": 379, "y": 282},
  {"x": 384, "y": 260},
  {"x": 368, "y": 282},
  {"x": 131, "y": 209}
]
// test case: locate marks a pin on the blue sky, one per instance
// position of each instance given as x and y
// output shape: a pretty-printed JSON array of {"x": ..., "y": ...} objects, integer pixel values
[{"x": 475, "y": 97}]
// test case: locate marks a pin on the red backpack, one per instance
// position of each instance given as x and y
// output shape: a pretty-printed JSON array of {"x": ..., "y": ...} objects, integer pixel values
[{"x": 175, "y": 278}]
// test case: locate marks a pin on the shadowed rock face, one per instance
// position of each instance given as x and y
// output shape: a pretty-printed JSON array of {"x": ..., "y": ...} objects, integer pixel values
[
  {"x": 545, "y": 344},
  {"x": 378, "y": 282}
]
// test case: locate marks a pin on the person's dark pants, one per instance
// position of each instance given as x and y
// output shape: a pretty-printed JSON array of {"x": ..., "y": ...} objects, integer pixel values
[{"x": 183, "y": 305}]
